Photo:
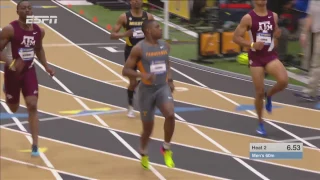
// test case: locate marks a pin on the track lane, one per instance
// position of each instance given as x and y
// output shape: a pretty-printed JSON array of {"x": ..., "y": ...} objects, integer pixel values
[{"x": 115, "y": 57}]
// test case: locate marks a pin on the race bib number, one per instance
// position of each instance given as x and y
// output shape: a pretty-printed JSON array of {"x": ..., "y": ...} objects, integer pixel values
[
  {"x": 26, "y": 54},
  {"x": 264, "y": 37},
  {"x": 137, "y": 33},
  {"x": 158, "y": 68}
]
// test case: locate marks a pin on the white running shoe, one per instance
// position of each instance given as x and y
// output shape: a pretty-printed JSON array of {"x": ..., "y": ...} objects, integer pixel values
[{"x": 130, "y": 112}]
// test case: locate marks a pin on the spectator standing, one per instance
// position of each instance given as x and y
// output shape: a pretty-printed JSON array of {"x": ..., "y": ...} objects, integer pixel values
[
  {"x": 312, "y": 24},
  {"x": 301, "y": 6}
]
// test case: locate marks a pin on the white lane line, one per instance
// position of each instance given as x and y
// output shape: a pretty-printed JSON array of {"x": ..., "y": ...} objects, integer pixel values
[
  {"x": 251, "y": 112},
  {"x": 231, "y": 112},
  {"x": 306, "y": 138},
  {"x": 44, "y": 168},
  {"x": 101, "y": 121},
  {"x": 80, "y": 44},
  {"x": 111, "y": 154},
  {"x": 198, "y": 131},
  {"x": 189, "y": 146},
  {"x": 42, "y": 155}
]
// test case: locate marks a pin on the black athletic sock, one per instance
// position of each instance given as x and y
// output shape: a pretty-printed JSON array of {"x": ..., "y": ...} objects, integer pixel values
[{"x": 130, "y": 97}]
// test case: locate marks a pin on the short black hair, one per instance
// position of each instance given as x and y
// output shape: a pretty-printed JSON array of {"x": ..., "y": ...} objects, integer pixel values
[
  {"x": 146, "y": 24},
  {"x": 21, "y": 2}
]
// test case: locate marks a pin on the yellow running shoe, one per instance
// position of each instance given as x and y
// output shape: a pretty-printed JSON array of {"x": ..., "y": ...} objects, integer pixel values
[
  {"x": 167, "y": 154},
  {"x": 145, "y": 162}
]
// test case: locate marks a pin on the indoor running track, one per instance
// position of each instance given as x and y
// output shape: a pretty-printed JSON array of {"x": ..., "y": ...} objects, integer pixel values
[{"x": 85, "y": 133}]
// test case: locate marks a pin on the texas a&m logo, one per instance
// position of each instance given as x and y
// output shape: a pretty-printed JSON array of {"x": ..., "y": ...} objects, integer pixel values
[
  {"x": 265, "y": 26},
  {"x": 28, "y": 41}
]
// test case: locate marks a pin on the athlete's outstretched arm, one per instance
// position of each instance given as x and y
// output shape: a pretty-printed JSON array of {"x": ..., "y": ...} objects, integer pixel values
[
  {"x": 238, "y": 35},
  {"x": 134, "y": 57},
  {"x": 115, "y": 34},
  {"x": 5, "y": 36},
  {"x": 41, "y": 54}
]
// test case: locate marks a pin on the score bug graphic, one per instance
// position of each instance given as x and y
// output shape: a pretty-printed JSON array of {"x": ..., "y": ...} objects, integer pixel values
[{"x": 276, "y": 150}]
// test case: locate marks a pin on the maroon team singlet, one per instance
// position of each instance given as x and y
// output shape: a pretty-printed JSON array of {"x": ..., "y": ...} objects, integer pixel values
[
  {"x": 262, "y": 30},
  {"x": 23, "y": 45}
]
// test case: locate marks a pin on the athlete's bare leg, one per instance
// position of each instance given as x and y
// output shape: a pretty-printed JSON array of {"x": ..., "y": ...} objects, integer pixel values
[
  {"x": 13, "y": 107},
  {"x": 278, "y": 71},
  {"x": 258, "y": 75},
  {"x": 167, "y": 111},
  {"x": 132, "y": 85},
  {"x": 31, "y": 102},
  {"x": 147, "y": 128}
]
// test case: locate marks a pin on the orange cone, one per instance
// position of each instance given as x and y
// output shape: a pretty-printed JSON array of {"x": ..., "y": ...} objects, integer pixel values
[
  {"x": 95, "y": 19},
  {"x": 81, "y": 12},
  {"x": 109, "y": 27},
  {"x": 69, "y": 6}
]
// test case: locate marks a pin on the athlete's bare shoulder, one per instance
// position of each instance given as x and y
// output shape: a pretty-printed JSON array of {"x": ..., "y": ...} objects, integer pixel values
[
  {"x": 123, "y": 16},
  {"x": 246, "y": 18},
  {"x": 243, "y": 26},
  {"x": 134, "y": 57},
  {"x": 275, "y": 16},
  {"x": 42, "y": 31},
  {"x": 246, "y": 21},
  {"x": 138, "y": 47},
  {"x": 8, "y": 29},
  {"x": 7, "y": 32},
  {"x": 122, "y": 19},
  {"x": 5, "y": 36}
]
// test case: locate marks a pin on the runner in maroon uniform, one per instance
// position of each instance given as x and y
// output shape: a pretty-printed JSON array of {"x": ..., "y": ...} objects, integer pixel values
[
  {"x": 19, "y": 73},
  {"x": 263, "y": 30}
]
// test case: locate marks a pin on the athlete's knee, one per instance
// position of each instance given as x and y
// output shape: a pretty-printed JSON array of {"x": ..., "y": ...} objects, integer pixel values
[
  {"x": 170, "y": 115},
  {"x": 147, "y": 127},
  {"x": 133, "y": 83},
  {"x": 32, "y": 103},
  {"x": 260, "y": 93},
  {"x": 147, "y": 132},
  {"x": 283, "y": 81},
  {"x": 13, "y": 107}
]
